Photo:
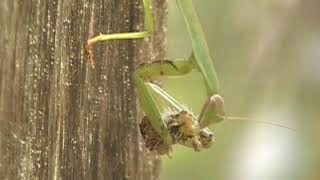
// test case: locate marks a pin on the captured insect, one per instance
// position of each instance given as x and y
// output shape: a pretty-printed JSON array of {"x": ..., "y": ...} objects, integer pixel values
[{"x": 161, "y": 130}]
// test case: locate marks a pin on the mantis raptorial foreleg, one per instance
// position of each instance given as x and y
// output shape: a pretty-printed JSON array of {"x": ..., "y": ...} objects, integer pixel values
[{"x": 178, "y": 67}]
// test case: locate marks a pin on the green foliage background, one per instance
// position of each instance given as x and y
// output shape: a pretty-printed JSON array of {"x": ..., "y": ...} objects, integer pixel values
[{"x": 266, "y": 53}]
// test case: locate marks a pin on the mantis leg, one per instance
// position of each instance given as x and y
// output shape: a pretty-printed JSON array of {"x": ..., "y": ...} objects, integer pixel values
[
  {"x": 213, "y": 108},
  {"x": 199, "y": 46},
  {"x": 177, "y": 67},
  {"x": 212, "y": 111},
  {"x": 151, "y": 109},
  {"x": 205, "y": 135},
  {"x": 148, "y": 22},
  {"x": 141, "y": 77}
]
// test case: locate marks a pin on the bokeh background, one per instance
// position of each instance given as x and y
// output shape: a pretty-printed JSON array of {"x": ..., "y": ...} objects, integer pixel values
[{"x": 267, "y": 55}]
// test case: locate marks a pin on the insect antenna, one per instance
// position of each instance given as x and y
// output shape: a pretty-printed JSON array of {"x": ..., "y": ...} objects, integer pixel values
[{"x": 236, "y": 118}]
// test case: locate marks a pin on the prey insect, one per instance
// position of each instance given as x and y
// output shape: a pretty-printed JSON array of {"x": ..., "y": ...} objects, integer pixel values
[{"x": 161, "y": 130}]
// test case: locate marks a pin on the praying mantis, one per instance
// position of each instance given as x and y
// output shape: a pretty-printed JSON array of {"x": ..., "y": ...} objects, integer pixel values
[{"x": 178, "y": 125}]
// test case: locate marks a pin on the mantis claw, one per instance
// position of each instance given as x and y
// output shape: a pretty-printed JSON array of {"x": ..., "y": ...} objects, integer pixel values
[
  {"x": 160, "y": 62},
  {"x": 89, "y": 53},
  {"x": 166, "y": 61},
  {"x": 212, "y": 111}
]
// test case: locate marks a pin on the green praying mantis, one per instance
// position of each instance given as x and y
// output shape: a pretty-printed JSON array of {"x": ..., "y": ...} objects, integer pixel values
[{"x": 180, "y": 125}]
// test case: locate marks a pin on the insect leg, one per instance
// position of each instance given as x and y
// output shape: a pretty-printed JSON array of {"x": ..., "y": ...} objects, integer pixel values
[
  {"x": 212, "y": 111},
  {"x": 141, "y": 77},
  {"x": 130, "y": 35},
  {"x": 149, "y": 26},
  {"x": 151, "y": 109}
]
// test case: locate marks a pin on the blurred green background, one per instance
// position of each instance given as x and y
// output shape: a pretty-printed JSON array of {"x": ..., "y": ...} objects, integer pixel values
[{"x": 267, "y": 55}]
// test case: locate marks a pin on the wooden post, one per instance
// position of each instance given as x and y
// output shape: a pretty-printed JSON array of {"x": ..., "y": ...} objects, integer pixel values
[{"x": 60, "y": 118}]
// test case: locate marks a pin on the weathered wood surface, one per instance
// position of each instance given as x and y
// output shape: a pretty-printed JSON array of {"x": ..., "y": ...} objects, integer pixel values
[{"x": 61, "y": 119}]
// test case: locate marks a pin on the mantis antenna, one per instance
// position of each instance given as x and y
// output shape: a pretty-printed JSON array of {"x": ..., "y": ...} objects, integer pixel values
[{"x": 272, "y": 123}]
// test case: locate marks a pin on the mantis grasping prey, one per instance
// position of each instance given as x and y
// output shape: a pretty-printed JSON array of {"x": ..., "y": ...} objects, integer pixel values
[{"x": 161, "y": 130}]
